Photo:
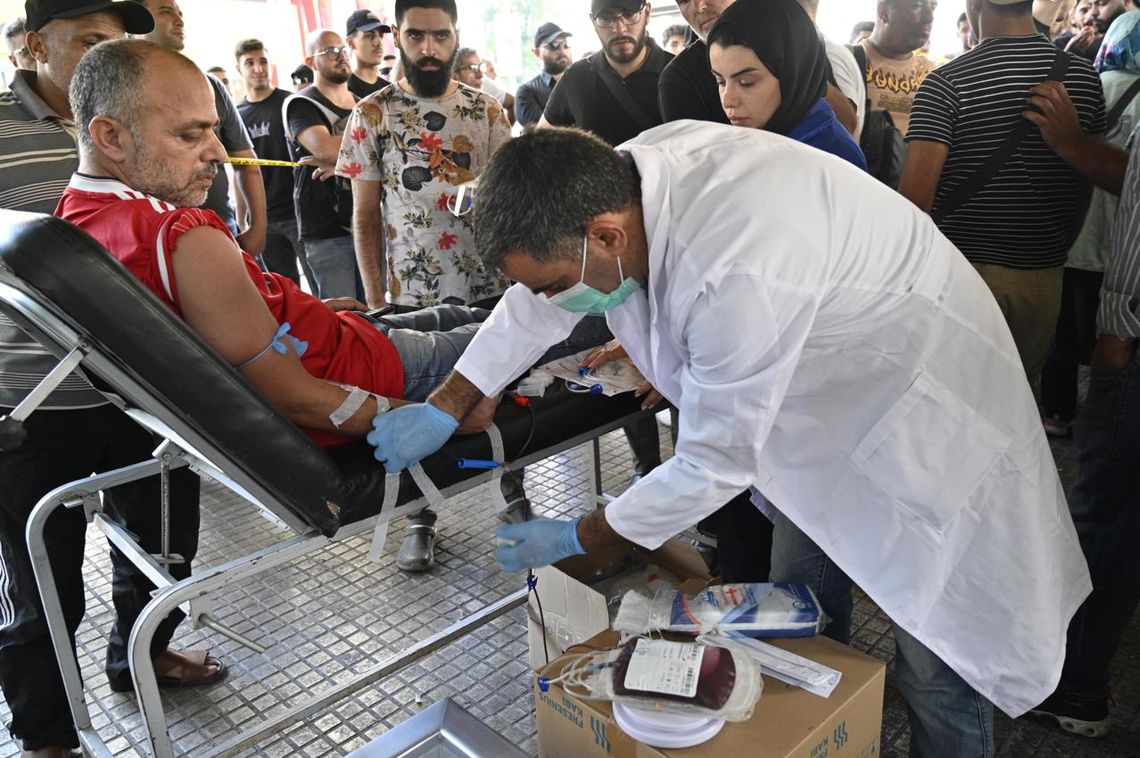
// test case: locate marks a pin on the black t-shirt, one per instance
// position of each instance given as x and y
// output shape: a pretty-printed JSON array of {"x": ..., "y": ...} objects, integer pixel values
[
  {"x": 687, "y": 88},
  {"x": 581, "y": 98},
  {"x": 267, "y": 130},
  {"x": 1026, "y": 215},
  {"x": 363, "y": 89},
  {"x": 324, "y": 209}
]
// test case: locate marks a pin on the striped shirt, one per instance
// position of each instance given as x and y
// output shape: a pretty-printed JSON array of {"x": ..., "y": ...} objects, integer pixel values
[
  {"x": 1026, "y": 216},
  {"x": 1119, "y": 313},
  {"x": 37, "y": 158}
]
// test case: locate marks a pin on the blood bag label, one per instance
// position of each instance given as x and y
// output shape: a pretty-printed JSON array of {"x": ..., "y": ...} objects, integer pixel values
[{"x": 667, "y": 668}]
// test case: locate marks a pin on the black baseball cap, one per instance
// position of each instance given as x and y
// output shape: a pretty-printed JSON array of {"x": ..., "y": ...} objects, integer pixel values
[
  {"x": 365, "y": 21},
  {"x": 598, "y": 6},
  {"x": 136, "y": 18},
  {"x": 302, "y": 75},
  {"x": 549, "y": 32}
]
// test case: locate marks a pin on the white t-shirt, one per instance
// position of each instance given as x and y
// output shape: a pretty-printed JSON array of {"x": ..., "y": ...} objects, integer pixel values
[
  {"x": 849, "y": 80},
  {"x": 492, "y": 88}
]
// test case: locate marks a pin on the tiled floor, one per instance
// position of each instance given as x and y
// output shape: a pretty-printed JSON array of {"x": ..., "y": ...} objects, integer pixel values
[{"x": 334, "y": 614}]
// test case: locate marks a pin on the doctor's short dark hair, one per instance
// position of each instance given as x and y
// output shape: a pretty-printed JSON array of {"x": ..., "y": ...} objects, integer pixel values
[{"x": 541, "y": 190}]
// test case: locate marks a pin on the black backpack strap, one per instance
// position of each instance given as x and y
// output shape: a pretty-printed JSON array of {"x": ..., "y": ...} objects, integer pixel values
[
  {"x": 1112, "y": 118},
  {"x": 627, "y": 103},
  {"x": 992, "y": 165}
]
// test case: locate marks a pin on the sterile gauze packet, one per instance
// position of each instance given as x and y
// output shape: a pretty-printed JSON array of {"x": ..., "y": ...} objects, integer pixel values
[{"x": 755, "y": 610}]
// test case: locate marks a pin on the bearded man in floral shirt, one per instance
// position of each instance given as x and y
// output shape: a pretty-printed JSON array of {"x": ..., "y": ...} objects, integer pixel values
[{"x": 412, "y": 151}]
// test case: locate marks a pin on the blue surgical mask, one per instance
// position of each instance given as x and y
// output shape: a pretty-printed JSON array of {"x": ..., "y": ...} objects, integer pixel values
[{"x": 582, "y": 298}]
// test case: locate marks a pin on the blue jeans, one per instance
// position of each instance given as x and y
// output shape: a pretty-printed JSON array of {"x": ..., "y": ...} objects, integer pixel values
[
  {"x": 333, "y": 263},
  {"x": 1105, "y": 504},
  {"x": 948, "y": 718},
  {"x": 431, "y": 340}
]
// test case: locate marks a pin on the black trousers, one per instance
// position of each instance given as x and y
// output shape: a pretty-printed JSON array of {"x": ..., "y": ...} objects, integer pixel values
[
  {"x": 1073, "y": 343},
  {"x": 63, "y": 446}
]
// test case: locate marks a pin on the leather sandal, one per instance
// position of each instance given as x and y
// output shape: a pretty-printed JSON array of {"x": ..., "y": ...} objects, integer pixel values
[{"x": 177, "y": 677}]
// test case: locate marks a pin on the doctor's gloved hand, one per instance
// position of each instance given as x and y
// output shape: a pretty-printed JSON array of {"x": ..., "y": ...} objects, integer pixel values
[
  {"x": 405, "y": 435},
  {"x": 534, "y": 543}
]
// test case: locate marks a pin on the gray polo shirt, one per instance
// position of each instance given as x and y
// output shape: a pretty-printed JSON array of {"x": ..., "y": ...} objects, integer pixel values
[{"x": 37, "y": 158}]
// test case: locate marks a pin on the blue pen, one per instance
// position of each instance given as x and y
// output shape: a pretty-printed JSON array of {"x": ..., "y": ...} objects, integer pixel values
[{"x": 478, "y": 463}]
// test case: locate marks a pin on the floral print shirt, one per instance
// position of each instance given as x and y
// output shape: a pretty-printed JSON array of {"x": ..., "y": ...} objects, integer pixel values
[{"x": 420, "y": 150}]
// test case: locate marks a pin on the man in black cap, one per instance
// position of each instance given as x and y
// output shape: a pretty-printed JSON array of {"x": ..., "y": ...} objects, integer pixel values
[
  {"x": 76, "y": 431},
  {"x": 552, "y": 47},
  {"x": 612, "y": 93},
  {"x": 302, "y": 77},
  {"x": 365, "y": 37}
]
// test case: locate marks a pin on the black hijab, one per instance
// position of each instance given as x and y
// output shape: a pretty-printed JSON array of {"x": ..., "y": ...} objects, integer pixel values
[{"x": 788, "y": 44}]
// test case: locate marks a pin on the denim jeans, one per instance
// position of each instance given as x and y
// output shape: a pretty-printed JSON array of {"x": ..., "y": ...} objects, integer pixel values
[
  {"x": 283, "y": 251},
  {"x": 333, "y": 263},
  {"x": 1105, "y": 504},
  {"x": 948, "y": 718},
  {"x": 431, "y": 340}
]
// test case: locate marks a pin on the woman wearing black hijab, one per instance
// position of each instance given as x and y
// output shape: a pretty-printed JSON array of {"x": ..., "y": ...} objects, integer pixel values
[{"x": 772, "y": 70}]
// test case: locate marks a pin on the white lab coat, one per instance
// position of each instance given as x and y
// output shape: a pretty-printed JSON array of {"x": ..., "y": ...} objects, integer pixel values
[{"x": 829, "y": 347}]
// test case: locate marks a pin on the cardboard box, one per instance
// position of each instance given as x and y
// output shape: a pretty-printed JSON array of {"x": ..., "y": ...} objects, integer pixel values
[
  {"x": 574, "y": 611},
  {"x": 788, "y": 722}
]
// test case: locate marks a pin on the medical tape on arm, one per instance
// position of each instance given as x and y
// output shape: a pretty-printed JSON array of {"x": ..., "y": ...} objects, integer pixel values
[
  {"x": 380, "y": 531},
  {"x": 277, "y": 345},
  {"x": 350, "y": 405}
]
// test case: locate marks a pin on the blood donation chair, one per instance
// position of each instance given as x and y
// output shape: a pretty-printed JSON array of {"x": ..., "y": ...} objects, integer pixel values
[{"x": 64, "y": 290}]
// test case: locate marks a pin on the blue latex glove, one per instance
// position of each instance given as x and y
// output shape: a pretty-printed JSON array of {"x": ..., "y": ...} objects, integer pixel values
[
  {"x": 407, "y": 434},
  {"x": 534, "y": 543}
]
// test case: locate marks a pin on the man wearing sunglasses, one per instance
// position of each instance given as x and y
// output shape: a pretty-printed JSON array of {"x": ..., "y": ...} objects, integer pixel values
[
  {"x": 552, "y": 47},
  {"x": 315, "y": 119},
  {"x": 612, "y": 93}
]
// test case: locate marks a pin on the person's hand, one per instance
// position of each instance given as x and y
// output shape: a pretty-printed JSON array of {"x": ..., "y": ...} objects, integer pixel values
[
  {"x": 408, "y": 434},
  {"x": 1054, "y": 113},
  {"x": 651, "y": 395},
  {"x": 534, "y": 543},
  {"x": 1086, "y": 41},
  {"x": 252, "y": 240},
  {"x": 344, "y": 304},
  {"x": 611, "y": 351},
  {"x": 322, "y": 172},
  {"x": 480, "y": 417},
  {"x": 1113, "y": 352}
]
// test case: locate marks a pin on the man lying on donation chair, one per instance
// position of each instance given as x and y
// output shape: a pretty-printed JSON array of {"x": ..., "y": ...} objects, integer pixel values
[{"x": 148, "y": 154}]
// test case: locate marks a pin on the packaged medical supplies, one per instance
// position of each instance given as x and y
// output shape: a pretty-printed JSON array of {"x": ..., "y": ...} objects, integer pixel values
[
  {"x": 755, "y": 610},
  {"x": 684, "y": 678},
  {"x": 816, "y": 678}
]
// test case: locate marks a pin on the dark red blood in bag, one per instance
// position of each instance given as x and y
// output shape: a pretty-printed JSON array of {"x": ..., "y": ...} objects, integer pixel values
[{"x": 715, "y": 679}]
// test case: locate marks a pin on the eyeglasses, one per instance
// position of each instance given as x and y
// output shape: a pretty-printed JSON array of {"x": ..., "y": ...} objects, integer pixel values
[
  {"x": 334, "y": 52},
  {"x": 463, "y": 201},
  {"x": 559, "y": 45},
  {"x": 20, "y": 51},
  {"x": 610, "y": 20},
  {"x": 475, "y": 68}
]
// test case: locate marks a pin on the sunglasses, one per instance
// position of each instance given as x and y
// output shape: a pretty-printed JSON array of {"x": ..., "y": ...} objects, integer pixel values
[
  {"x": 335, "y": 52},
  {"x": 559, "y": 45}
]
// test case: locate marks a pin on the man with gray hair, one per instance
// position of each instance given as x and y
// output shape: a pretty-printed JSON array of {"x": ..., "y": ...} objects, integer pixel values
[{"x": 77, "y": 431}]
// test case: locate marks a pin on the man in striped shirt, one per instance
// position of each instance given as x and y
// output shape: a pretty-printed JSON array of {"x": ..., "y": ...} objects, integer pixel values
[
  {"x": 76, "y": 431},
  {"x": 1105, "y": 502},
  {"x": 1018, "y": 227}
]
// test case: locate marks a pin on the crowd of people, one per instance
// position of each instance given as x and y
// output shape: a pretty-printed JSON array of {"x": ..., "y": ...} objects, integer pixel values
[{"x": 970, "y": 229}]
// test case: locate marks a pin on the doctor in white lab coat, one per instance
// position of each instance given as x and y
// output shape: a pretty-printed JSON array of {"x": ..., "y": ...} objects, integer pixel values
[{"x": 826, "y": 346}]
